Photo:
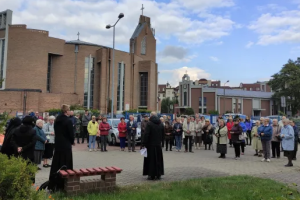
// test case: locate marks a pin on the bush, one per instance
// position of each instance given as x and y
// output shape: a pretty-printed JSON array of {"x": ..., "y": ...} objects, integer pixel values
[
  {"x": 3, "y": 120},
  {"x": 213, "y": 112},
  {"x": 15, "y": 179},
  {"x": 189, "y": 111},
  {"x": 137, "y": 111}
]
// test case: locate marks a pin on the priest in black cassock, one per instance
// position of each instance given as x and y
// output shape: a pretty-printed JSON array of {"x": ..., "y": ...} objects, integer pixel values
[{"x": 154, "y": 135}]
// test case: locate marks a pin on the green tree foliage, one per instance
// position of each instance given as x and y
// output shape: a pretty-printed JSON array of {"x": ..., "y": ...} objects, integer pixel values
[
  {"x": 137, "y": 111},
  {"x": 4, "y": 117},
  {"x": 15, "y": 179},
  {"x": 189, "y": 111},
  {"x": 165, "y": 105},
  {"x": 287, "y": 83}
]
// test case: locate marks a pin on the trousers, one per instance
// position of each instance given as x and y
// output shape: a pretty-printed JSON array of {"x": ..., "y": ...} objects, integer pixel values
[{"x": 266, "y": 145}]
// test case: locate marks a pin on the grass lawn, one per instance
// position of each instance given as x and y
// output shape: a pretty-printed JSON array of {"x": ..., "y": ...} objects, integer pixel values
[{"x": 231, "y": 188}]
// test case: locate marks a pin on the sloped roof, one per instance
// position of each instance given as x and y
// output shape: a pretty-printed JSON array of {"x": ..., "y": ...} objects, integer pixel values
[
  {"x": 138, "y": 30},
  {"x": 243, "y": 93},
  {"x": 79, "y": 42}
]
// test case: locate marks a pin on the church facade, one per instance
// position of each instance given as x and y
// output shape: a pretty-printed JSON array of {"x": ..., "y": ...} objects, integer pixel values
[{"x": 39, "y": 72}]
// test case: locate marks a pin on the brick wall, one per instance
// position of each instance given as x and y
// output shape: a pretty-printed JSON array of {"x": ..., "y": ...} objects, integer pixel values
[
  {"x": 196, "y": 94},
  {"x": 247, "y": 107},
  {"x": 265, "y": 104}
]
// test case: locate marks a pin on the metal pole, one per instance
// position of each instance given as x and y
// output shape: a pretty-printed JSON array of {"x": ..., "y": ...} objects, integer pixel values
[
  {"x": 157, "y": 94},
  {"x": 113, "y": 76}
]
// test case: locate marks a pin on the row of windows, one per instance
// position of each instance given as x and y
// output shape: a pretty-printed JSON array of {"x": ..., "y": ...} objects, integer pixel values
[
  {"x": 49, "y": 72},
  {"x": 120, "y": 72},
  {"x": 143, "y": 46},
  {"x": 88, "y": 83},
  {"x": 144, "y": 89}
]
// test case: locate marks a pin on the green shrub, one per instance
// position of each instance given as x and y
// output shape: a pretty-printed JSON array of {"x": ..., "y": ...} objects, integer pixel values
[
  {"x": 15, "y": 179},
  {"x": 4, "y": 117},
  {"x": 189, "y": 111},
  {"x": 137, "y": 111},
  {"x": 213, "y": 112}
]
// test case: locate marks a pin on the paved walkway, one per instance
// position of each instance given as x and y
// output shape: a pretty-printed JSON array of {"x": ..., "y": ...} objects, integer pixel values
[{"x": 181, "y": 166}]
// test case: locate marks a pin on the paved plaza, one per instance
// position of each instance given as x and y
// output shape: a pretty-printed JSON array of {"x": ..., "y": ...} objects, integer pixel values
[{"x": 181, "y": 166}]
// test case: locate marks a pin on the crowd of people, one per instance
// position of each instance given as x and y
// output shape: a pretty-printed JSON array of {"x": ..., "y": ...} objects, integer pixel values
[{"x": 38, "y": 140}]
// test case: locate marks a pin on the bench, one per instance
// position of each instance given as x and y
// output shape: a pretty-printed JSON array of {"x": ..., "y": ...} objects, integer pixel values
[{"x": 105, "y": 182}]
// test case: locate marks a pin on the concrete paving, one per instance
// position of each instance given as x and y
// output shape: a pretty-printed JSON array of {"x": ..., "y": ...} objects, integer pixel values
[{"x": 182, "y": 166}]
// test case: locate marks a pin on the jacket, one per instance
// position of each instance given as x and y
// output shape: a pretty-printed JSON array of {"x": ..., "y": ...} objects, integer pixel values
[
  {"x": 143, "y": 126},
  {"x": 130, "y": 127},
  {"x": 41, "y": 139},
  {"x": 25, "y": 137},
  {"x": 168, "y": 130},
  {"x": 288, "y": 139},
  {"x": 86, "y": 119},
  {"x": 189, "y": 127},
  {"x": 222, "y": 139},
  {"x": 256, "y": 142},
  {"x": 93, "y": 128},
  {"x": 122, "y": 128},
  {"x": 207, "y": 137},
  {"x": 248, "y": 125},
  {"x": 77, "y": 126},
  {"x": 267, "y": 130},
  {"x": 104, "y": 128},
  {"x": 73, "y": 119},
  {"x": 154, "y": 134},
  {"x": 179, "y": 127},
  {"x": 237, "y": 131},
  {"x": 276, "y": 130},
  {"x": 243, "y": 125},
  {"x": 229, "y": 126},
  {"x": 198, "y": 128},
  {"x": 64, "y": 134}
]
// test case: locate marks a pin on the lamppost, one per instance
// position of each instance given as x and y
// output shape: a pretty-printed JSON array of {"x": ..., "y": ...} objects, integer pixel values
[
  {"x": 121, "y": 15},
  {"x": 224, "y": 96}
]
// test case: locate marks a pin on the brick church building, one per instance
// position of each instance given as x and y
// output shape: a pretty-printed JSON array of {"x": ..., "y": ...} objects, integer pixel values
[{"x": 41, "y": 72}]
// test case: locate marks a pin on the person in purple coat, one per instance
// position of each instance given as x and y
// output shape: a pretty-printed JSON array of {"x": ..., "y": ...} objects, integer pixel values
[{"x": 249, "y": 128}]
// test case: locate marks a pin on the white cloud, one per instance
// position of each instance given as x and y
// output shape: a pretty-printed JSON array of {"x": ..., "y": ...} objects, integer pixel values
[
  {"x": 201, "y": 5},
  {"x": 272, "y": 7},
  {"x": 283, "y": 27},
  {"x": 213, "y": 58},
  {"x": 174, "y": 54},
  {"x": 175, "y": 75},
  {"x": 219, "y": 43},
  {"x": 249, "y": 44},
  {"x": 64, "y": 18}
]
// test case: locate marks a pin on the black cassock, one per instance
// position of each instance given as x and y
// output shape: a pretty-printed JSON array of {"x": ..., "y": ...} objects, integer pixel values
[{"x": 154, "y": 135}]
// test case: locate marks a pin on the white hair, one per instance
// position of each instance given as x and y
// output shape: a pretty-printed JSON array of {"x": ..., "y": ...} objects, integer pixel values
[
  {"x": 39, "y": 121},
  {"x": 51, "y": 117},
  {"x": 153, "y": 113}
]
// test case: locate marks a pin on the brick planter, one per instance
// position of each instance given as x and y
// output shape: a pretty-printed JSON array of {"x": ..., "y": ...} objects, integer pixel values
[{"x": 105, "y": 180}]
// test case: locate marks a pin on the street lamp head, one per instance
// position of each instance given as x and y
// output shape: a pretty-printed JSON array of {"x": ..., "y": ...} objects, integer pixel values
[
  {"x": 121, "y": 15},
  {"x": 227, "y": 81},
  {"x": 108, "y": 26}
]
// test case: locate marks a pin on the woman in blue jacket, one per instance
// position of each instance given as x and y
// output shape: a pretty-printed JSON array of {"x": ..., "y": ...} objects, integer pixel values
[
  {"x": 40, "y": 143},
  {"x": 265, "y": 132},
  {"x": 249, "y": 128},
  {"x": 288, "y": 138},
  {"x": 243, "y": 144}
]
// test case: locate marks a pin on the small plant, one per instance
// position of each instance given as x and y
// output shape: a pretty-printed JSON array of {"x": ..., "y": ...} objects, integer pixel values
[
  {"x": 189, "y": 111},
  {"x": 213, "y": 112},
  {"x": 16, "y": 179},
  {"x": 4, "y": 117}
]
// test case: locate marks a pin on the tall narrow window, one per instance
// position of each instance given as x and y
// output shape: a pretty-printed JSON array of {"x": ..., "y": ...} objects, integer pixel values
[
  {"x": 144, "y": 89},
  {"x": 121, "y": 87},
  {"x": 185, "y": 99},
  {"x": 88, "y": 82},
  {"x": 49, "y": 72},
  {"x": 144, "y": 45},
  {"x": 2, "y": 49}
]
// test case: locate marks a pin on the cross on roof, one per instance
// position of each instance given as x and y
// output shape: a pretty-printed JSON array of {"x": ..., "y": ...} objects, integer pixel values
[
  {"x": 142, "y": 9},
  {"x": 185, "y": 71},
  {"x": 78, "y": 35}
]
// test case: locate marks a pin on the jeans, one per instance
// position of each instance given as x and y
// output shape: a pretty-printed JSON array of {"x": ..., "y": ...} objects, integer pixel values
[
  {"x": 275, "y": 149},
  {"x": 178, "y": 139},
  {"x": 85, "y": 134},
  {"x": 188, "y": 142},
  {"x": 122, "y": 142},
  {"x": 131, "y": 142},
  {"x": 249, "y": 139},
  {"x": 92, "y": 141},
  {"x": 103, "y": 142},
  {"x": 266, "y": 145},
  {"x": 237, "y": 149}
]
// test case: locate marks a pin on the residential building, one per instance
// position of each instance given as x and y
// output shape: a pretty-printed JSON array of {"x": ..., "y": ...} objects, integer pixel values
[
  {"x": 203, "y": 99},
  {"x": 41, "y": 72}
]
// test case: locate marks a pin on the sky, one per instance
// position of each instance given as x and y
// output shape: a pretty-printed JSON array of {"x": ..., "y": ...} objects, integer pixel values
[{"x": 242, "y": 41}]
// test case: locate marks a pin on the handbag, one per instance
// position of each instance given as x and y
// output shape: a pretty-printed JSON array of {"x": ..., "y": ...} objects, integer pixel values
[
  {"x": 245, "y": 134},
  {"x": 241, "y": 137},
  {"x": 279, "y": 138}
]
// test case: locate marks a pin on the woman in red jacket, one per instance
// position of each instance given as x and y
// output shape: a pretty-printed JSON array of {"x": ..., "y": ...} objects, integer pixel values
[
  {"x": 122, "y": 128},
  {"x": 229, "y": 127},
  {"x": 104, "y": 129}
]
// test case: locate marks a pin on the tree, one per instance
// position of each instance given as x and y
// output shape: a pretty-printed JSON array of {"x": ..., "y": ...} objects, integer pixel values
[
  {"x": 165, "y": 105},
  {"x": 189, "y": 111},
  {"x": 287, "y": 83}
]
